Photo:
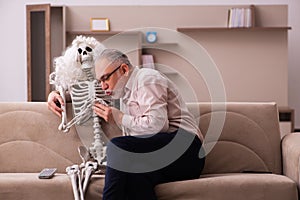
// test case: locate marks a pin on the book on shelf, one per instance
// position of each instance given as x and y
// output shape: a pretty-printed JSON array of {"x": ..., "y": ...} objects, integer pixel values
[
  {"x": 148, "y": 61},
  {"x": 241, "y": 17}
]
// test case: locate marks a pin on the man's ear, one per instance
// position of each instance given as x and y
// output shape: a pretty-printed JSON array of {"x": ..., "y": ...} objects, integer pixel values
[{"x": 125, "y": 68}]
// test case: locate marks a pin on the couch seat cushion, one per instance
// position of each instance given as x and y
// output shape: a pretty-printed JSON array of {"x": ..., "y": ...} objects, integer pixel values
[
  {"x": 27, "y": 186},
  {"x": 231, "y": 186}
]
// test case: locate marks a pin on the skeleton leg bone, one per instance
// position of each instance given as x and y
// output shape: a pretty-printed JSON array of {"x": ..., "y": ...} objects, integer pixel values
[
  {"x": 80, "y": 186},
  {"x": 79, "y": 174},
  {"x": 74, "y": 174},
  {"x": 90, "y": 168}
]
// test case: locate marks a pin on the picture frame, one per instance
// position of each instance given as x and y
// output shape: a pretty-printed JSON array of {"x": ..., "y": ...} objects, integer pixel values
[{"x": 99, "y": 24}]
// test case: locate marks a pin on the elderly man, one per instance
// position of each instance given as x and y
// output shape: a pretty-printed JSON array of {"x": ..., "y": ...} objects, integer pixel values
[{"x": 153, "y": 114}]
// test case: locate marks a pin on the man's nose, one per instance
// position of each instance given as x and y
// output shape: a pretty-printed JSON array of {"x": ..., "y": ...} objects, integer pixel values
[{"x": 104, "y": 85}]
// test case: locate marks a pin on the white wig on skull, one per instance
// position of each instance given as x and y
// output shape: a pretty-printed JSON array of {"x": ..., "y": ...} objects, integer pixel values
[{"x": 67, "y": 68}]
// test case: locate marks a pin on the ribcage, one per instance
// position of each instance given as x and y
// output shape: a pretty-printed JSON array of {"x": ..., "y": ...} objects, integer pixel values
[{"x": 83, "y": 95}]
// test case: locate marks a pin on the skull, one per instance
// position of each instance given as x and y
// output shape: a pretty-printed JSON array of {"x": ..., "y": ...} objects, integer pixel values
[{"x": 85, "y": 55}]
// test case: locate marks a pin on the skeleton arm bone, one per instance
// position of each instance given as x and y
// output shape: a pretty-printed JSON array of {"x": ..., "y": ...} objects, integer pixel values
[
  {"x": 63, "y": 123},
  {"x": 84, "y": 113},
  {"x": 57, "y": 104},
  {"x": 54, "y": 99}
]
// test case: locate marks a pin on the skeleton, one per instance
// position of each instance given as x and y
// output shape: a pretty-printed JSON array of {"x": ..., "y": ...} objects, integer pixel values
[{"x": 75, "y": 73}]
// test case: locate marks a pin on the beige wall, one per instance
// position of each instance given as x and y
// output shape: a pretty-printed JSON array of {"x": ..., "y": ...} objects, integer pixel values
[{"x": 253, "y": 64}]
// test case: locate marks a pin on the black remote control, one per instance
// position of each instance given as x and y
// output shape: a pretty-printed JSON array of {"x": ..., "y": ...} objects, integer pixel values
[{"x": 47, "y": 173}]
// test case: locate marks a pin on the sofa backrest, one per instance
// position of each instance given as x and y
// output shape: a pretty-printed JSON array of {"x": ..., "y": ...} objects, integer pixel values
[
  {"x": 249, "y": 139},
  {"x": 30, "y": 139}
]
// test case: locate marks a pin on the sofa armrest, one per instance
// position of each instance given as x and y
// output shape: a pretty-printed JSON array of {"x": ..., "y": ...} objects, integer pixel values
[{"x": 291, "y": 156}]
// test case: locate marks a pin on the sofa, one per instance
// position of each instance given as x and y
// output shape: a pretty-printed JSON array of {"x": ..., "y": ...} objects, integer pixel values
[{"x": 246, "y": 161}]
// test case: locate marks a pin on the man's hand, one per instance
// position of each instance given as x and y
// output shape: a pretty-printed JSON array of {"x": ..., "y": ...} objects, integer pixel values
[
  {"x": 112, "y": 117},
  {"x": 54, "y": 100}
]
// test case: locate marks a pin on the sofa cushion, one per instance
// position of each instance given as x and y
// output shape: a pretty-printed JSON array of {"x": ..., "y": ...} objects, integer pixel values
[
  {"x": 30, "y": 139},
  {"x": 28, "y": 186},
  {"x": 249, "y": 138},
  {"x": 230, "y": 186}
]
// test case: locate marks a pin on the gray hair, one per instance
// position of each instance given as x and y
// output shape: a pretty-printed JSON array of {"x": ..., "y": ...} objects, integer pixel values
[{"x": 114, "y": 56}]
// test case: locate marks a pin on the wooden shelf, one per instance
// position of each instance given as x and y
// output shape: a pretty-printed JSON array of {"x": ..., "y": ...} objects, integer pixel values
[
  {"x": 101, "y": 32},
  {"x": 158, "y": 44},
  {"x": 179, "y": 29},
  {"x": 191, "y": 29}
]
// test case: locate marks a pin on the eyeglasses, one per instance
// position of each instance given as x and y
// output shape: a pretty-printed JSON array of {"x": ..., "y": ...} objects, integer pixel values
[{"x": 105, "y": 77}]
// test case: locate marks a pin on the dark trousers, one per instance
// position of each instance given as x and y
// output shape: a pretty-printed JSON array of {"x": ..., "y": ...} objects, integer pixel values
[{"x": 131, "y": 178}]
